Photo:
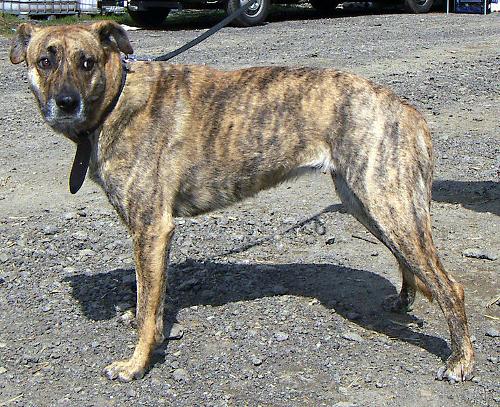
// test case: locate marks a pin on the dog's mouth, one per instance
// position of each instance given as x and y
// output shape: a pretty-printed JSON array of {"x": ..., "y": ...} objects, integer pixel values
[{"x": 69, "y": 123}]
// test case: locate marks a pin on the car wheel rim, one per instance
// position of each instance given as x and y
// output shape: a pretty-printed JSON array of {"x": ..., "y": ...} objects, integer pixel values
[{"x": 254, "y": 9}]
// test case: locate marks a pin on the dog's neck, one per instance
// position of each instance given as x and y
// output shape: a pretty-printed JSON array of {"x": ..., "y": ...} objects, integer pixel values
[{"x": 87, "y": 139}]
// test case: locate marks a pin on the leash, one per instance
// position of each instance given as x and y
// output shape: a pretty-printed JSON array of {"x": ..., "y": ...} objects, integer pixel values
[
  {"x": 197, "y": 40},
  {"x": 84, "y": 146}
]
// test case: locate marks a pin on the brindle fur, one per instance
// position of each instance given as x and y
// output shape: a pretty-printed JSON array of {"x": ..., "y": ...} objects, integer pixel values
[{"x": 184, "y": 140}]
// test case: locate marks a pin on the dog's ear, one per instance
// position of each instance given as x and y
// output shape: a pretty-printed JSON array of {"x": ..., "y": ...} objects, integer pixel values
[
  {"x": 107, "y": 29},
  {"x": 20, "y": 42}
]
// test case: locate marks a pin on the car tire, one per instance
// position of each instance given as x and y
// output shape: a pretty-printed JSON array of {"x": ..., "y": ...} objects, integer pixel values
[
  {"x": 418, "y": 6},
  {"x": 325, "y": 7},
  {"x": 149, "y": 18},
  {"x": 255, "y": 15}
]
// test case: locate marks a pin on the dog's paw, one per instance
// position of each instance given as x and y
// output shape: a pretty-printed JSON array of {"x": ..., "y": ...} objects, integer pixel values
[
  {"x": 456, "y": 371},
  {"x": 124, "y": 371},
  {"x": 394, "y": 303}
]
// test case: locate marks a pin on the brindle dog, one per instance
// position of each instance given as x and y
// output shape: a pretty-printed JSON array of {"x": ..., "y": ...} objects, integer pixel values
[{"x": 177, "y": 140}]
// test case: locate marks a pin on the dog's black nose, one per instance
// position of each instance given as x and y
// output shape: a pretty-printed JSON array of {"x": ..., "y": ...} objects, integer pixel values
[{"x": 68, "y": 102}]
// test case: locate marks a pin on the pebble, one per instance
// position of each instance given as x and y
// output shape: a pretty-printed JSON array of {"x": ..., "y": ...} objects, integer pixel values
[
  {"x": 80, "y": 235},
  {"x": 50, "y": 230},
  {"x": 493, "y": 332},
  {"x": 3, "y": 257},
  {"x": 69, "y": 215},
  {"x": 176, "y": 332},
  {"x": 479, "y": 254},
  {"x": 2, "y": 370},
  {"x": 281, "y": 336},
  {"x": 85, "y": 252},
  {"x": 352, "y": 336},
  {"x": 344, "y": 404},
  {"x": 180, "y": 375},
  {"x": 256, "y": 361}
]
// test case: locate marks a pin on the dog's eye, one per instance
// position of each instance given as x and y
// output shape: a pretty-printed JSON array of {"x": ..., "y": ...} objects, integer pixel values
[
  {"x": 45, "y": 63},
  {"x": 88, "y": 64}
]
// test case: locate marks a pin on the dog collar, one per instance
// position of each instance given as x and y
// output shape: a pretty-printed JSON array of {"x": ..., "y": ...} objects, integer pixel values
[{"x": 84, "y": 146}]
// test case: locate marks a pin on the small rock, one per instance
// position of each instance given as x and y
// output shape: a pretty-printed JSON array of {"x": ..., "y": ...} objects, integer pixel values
[
  {"x": 479, "y": 254},
  {"x": 2, "y": 370},
  {"x": 3, "y": 345},
  {"x": 176, "y": 332},
  {"x": 352, "y": 336},
  {"x": 69, "y": 215},
  {"x": 379, "y": 385},
  {"x": 493, "y": 332},
  {"x": 3, "y": 257},
  {"x": 281, "y": 336},
  {"x": 180, "y": 375},
  {"x": 256, "y": 361},
  {"x": 80, "y": 235},
  {"x": 46, "y": 308},
  {"x": 122, "y": 306},
  {"x": 50, "y": 230},
  {"x": 344, "y": 404},
  {"x": 330, "y": 241},
  {"x": 86, "y": 252},
  {"x": 492, "y": 359}
]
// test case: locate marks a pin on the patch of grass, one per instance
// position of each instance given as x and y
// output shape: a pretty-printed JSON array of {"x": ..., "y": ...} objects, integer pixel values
[{"x": 9, "y": 22}]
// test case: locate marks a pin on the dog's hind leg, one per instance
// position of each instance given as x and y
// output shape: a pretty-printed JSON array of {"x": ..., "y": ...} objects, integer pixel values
[
  {"x": 151, "y": 243},
  {"x": 401, "y": 220},
  {"x": 403, "y": 302}
]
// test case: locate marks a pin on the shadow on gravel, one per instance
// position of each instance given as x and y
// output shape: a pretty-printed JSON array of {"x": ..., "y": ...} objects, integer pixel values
[
  {"x": 356, "y": 295},
  {"x": 480, "y": 196}
]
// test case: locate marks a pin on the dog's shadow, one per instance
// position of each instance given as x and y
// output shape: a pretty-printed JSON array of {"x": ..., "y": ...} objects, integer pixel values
[
  {"x": 356, "y": 295},
  {"x": 479, "y": 196}
]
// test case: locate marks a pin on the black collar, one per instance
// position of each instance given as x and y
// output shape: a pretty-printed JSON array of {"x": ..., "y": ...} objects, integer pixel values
[{"x": 84, "y": 145}]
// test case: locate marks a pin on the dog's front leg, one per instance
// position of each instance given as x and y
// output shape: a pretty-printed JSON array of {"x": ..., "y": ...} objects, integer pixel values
[{"x": 150, "y": 248}]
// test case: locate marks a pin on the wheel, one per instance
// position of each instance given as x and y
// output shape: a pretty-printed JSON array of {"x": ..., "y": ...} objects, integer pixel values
[
  {"x": 150, "y": 17},
  {"x": 326, "y": 7},
  {"x": 255, "y": 15},
  {"x": 418, "y": 6}
]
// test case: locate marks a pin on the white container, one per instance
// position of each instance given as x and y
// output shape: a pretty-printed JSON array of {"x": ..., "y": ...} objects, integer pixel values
[
  {"x": 88, "y": 6},
  {"x": 39, "y": 7}
]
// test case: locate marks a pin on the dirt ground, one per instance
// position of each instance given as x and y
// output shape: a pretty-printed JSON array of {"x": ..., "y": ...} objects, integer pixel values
[{"x": 275, "y": 301}]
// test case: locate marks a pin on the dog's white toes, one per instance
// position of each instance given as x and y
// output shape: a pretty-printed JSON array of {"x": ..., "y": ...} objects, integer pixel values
[
  {"x": 124, "y": 371},
  {"x": 454, "y": 375}
]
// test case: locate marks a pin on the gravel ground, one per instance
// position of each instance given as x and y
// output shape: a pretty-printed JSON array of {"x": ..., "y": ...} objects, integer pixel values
[{"x": 275, "y": 301}]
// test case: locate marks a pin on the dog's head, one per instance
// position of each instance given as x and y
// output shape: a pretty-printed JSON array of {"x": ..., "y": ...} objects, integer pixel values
[{"x": 74, "y": 71}]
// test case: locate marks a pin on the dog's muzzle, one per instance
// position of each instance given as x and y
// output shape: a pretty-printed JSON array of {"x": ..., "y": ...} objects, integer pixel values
[{"x": 68, "y": 102}]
